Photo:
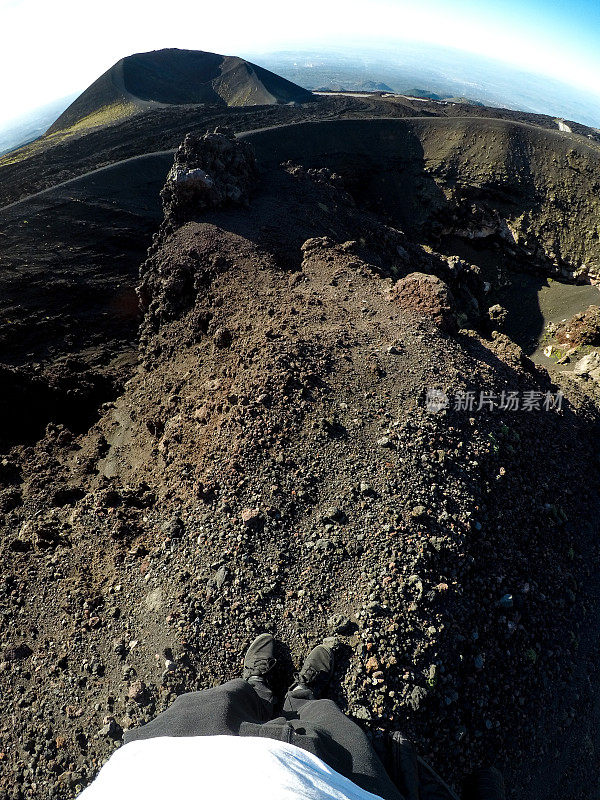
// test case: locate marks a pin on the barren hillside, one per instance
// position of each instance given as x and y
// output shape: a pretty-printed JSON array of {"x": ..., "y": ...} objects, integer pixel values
[{"x": 272, "y": 462}]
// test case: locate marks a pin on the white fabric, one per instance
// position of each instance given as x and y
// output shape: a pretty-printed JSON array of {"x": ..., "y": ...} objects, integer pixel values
[{"x": 219, "y": 768}]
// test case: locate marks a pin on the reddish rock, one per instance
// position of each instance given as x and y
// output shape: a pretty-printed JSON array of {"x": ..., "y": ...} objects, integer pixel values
[
  {"x": 582, "y": 329},
  {"x": 426, "y": 296},
  {"x": 250, "y": 516},
  {"x": 372, "y": 665}
]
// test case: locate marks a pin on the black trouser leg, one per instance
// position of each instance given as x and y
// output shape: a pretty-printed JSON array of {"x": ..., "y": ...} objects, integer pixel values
[
  {"x": 212, "y": 712},
  {"x": 349, "y": 747}
]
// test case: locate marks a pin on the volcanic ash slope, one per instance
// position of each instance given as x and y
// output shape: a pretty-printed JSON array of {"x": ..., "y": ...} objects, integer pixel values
[
  {"x": 176, "y": 77},
  {"x": 271, "y": 465}
]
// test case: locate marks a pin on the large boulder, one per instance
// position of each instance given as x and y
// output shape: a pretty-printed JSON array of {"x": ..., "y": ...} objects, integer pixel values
[
  {"x": 589, "y": 366},
  {"x": 426, "y": 296},
  {"x": 582, "y": 329}
]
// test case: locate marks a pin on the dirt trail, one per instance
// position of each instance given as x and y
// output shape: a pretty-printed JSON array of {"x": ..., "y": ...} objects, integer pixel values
[{"x": 85, "y": 186}]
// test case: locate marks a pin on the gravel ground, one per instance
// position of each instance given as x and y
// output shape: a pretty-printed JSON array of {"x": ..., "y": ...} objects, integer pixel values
[{"x": 272, "y": 465}]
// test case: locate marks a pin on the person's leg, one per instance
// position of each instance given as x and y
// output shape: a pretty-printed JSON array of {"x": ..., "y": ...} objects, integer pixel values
[
  {"x": 330, "y": 734},
  {"x": 221, "y": 710},
  {"x": 258, "y": 663},
  {"x": 312, "y": 680},
  {"x": 347, "y": 746},
  {"x": 212, "y": 712},
  {"x": 264, "y": 692}
]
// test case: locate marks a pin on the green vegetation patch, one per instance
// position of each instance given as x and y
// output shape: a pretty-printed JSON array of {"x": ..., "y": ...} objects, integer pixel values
[{"x": 103, "y": 116}]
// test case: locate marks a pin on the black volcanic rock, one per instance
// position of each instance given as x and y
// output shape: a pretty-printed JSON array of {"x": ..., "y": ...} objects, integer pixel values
[
  {"x": 209, "y": 172},
  {"x": 178, "y": 77}
]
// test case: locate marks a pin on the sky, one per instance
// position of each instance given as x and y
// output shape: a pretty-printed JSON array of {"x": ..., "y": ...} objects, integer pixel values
[{"x": 52, "y": 48}]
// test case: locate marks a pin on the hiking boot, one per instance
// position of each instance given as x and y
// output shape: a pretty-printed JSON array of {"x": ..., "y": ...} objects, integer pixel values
[
  {"x": 259, "y": 659},
  {"x": 315, "y": 674}
]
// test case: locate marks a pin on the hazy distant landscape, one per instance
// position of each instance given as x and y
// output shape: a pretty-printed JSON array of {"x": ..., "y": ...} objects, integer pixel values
[
  {"x": 417, "y": 70},
  {"x": 30, "y": 126},
  {"x": 407, "y": 67}
]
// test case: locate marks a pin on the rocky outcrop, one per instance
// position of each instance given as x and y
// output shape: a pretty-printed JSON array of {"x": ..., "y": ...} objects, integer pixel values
[{"x": 209, "y": 172}]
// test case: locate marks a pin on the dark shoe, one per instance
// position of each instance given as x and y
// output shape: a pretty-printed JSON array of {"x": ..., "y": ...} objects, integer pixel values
[
  {"x": 315, "y": 674},
  {"x": 259, "y": 659}
]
